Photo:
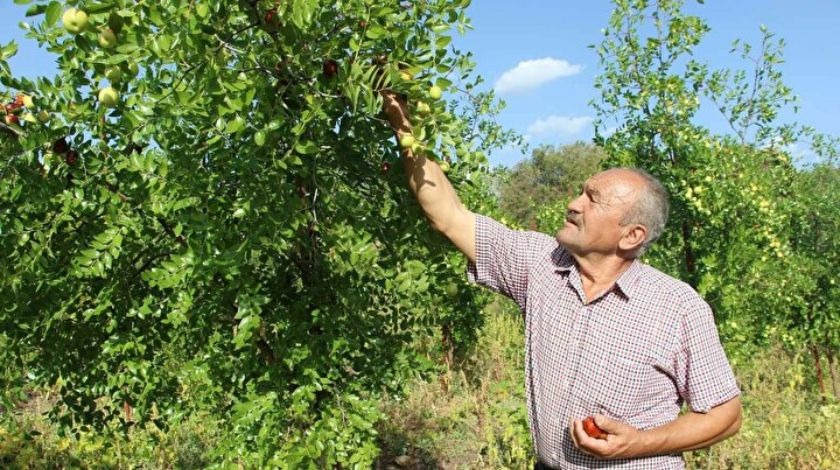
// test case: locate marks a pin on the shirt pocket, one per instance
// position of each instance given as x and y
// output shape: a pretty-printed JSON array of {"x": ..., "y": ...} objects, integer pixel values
[{"x": 620, "y": 387}]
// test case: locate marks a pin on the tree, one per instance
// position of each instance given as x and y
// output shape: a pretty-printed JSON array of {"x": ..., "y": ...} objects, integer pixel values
[
  {"x": 232, "y": 236},
  {"x": 550, "y": 176},
  {"x": 735, "y": 207}
]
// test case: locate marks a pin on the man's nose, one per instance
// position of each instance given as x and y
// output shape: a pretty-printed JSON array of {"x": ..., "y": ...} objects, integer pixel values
[{"x": 575, "y": 205}]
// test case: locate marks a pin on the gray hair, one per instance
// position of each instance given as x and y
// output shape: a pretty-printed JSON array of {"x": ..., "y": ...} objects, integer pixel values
[{"x": 649, "y": 209}]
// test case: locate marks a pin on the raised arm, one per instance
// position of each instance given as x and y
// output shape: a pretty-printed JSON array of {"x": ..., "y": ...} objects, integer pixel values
[{"x": 432, "y": 189}]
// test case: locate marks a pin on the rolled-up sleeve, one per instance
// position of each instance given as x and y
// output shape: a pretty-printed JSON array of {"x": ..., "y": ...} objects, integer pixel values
[
  {"x": 705, "y": 378},
  {"x": 504, "y": 257}
]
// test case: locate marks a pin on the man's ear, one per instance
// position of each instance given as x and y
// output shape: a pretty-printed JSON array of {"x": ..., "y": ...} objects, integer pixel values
[{"x": 634, "y": 237}]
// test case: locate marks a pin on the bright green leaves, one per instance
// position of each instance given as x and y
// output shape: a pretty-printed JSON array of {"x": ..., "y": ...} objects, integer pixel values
[
  {"x": 96, "y": 261},
  {"x": 171, "y": 272},
  {"x": 375, "y": 32},
  {"x": 235, "y": 125},
  {"x": 303, "y": 12},
  {"x": 202, "y": 10},
  {"x": 248, "y": 311},
  {"x": 412, "y": 277}
]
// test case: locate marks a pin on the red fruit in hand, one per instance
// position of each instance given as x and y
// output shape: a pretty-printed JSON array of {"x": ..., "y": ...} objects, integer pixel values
[
  {"x": 330, "y": 68},
  {"x": 12, "y": 119},
  {"x": 592, "y": 429}
]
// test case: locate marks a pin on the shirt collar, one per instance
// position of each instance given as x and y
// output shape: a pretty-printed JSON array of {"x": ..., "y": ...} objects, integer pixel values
[
  {"x": 563, "y": 260},
  {"x": 628, "y": 280},
  {"x": 626, "y": 283}
]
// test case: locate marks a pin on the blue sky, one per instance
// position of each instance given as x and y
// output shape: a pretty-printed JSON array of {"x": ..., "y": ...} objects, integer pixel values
[
  {"x": 507, "y": 35},
  {"x": 543, "y": 43}
]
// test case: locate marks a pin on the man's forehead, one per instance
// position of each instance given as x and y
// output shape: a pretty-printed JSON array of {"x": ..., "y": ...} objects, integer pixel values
[{"x": 614, "y": 183}]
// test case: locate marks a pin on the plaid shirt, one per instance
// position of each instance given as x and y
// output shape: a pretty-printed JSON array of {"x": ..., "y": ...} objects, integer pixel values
[{"x": 635, "y": 353}]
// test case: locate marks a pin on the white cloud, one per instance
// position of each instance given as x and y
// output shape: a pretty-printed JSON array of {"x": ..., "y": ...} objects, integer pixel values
[
  {"x": 559, "y": 125},
  {"x": 530, "y": 74}
]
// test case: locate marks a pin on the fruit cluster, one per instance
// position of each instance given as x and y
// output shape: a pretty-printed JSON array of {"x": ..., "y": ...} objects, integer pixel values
[
  {"x": 14, "y": 111},
  {"x": 60, "y": 147},
  {"x": 75, "y": 21}
]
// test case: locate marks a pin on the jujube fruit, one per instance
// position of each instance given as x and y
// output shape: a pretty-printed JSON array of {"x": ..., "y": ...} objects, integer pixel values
[
  {"x": 74, "y": 20},
  {"x": 407, "y": 141},
  {"x": 592, "y": 429},
  {"x": 330, "y": 68},
  {"x": 108, "y": 97}
]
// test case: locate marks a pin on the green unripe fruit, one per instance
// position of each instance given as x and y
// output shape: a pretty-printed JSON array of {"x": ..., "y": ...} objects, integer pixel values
[
  {"x": 43, "y": 116},
  {"x": 407, "y": 141},
  {"x": 444, "y": 167},
  {"x": 113, "y": 74},
  {"x": 259, "y": 138},
  {"x": 435, "y": 92},
  {"x": 107, "y": 38},
  {"x": 108, "y": 97},
  {"x": 451, "y": 289},
  {"x": 74, "y": 20},
  {"x": 423, "y": 108}
]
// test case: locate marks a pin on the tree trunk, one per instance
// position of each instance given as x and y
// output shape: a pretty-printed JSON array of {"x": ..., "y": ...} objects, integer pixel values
[
  {"x": 816, "y": 353},
  {"x": 832, "y": 362},
  {"x": 688, "y": 254}
]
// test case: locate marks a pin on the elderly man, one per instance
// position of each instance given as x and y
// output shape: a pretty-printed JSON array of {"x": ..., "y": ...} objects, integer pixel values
[{"x": 605, "y": 335}]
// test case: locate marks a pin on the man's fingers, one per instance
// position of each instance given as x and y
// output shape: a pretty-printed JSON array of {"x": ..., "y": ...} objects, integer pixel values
[
  {"x": 396, "y": 110},
  {"x": 608, "y": 425},
  {"x": 572, "y": 433}
]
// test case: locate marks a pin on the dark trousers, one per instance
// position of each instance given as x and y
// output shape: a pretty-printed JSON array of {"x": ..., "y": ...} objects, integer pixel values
[{"x": 541, "y": 466}]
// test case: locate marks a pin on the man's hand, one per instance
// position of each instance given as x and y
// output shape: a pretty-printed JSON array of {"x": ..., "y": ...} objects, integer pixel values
[
  {"x": 397, "y": 111},
  {"x": 689, "y": 431},
  {"x": 433, "y": 190},
  {"x": 620, "y": 443}
]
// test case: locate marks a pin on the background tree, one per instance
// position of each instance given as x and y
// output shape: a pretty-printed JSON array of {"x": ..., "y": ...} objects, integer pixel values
[
  {"x": 734, "y": 207},
  {"x": 550, "y": 176}
]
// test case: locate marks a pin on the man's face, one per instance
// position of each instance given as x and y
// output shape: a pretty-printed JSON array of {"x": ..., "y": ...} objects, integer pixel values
[{"x": 593, "y": 219}]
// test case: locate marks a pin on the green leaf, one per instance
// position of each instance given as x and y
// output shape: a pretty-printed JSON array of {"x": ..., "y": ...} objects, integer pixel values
[
  {"x": 235, "y": 125},
  {"x": 303, "y": 11},
  {"x": 8, "y": 50},
  {"x": 165, "y": 42},
  {"x": 36, "y": 10},
  {"x": 53, "y": 14},
  {"x": 306, "y": 148},
  {"x": 443, "y": 83},
  {"x": 375, "y": 32}
]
